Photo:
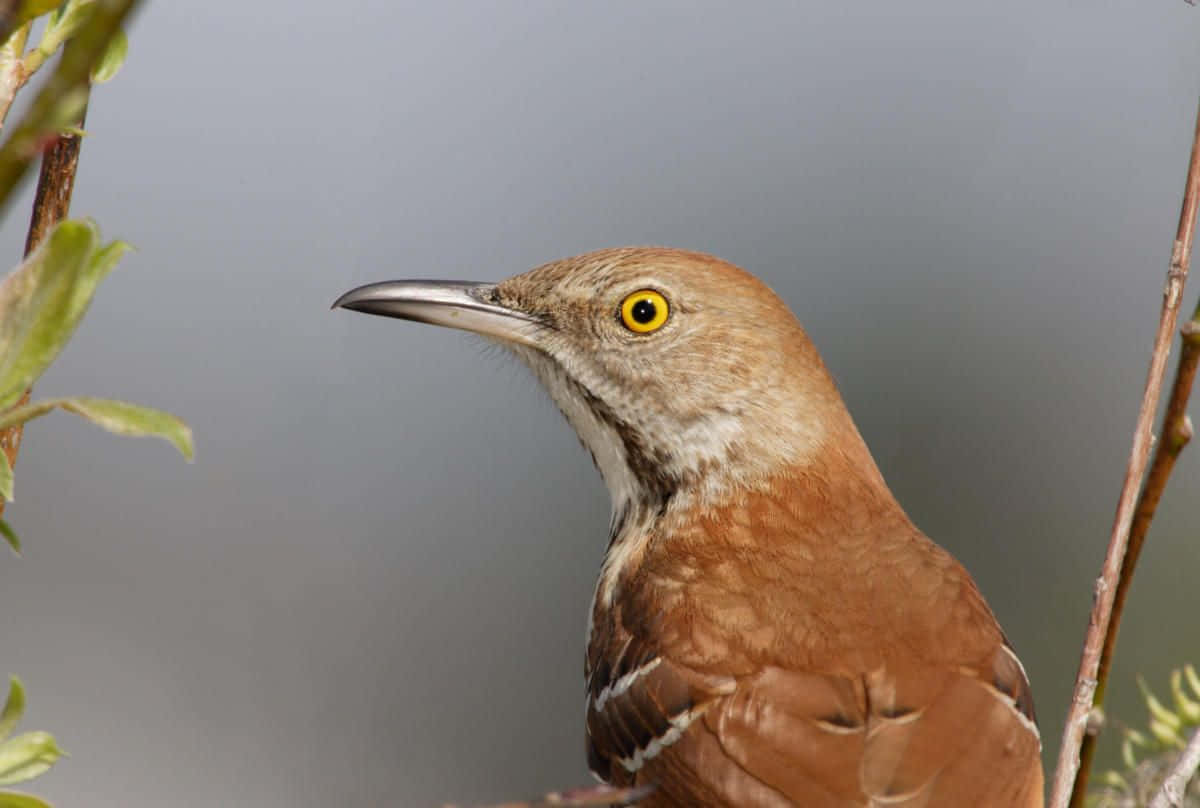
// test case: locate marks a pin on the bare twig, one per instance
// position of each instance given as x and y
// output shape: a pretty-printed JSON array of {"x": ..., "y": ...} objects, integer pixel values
[
  {"x": 1105, "y": 591},
  {"x": 55, "y": 184},
  {"x": 1170, "y": 795},
  {"x": 1176, "y": 433}
]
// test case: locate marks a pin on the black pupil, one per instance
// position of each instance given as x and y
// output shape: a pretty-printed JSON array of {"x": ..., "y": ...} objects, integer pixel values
[{"x": 644, "y": 311}]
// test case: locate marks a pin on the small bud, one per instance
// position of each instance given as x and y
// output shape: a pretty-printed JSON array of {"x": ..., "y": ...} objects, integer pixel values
[
  {"x": 1157, "y": 711},
  {"x": 1114, "y": 780},
  {"x": 1187, "y": 708},
  {"x": 1127, "y": 754},
  {"x": 1165, "y": 733},
  {"x": 1193, "y": 679}
]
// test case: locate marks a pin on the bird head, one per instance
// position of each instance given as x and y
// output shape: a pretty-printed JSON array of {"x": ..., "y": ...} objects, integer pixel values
[{"x": 682, "y": 374}]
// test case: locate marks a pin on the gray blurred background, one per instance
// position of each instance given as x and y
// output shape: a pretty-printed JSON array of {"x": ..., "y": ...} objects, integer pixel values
[{"x": 371, "y": 586}]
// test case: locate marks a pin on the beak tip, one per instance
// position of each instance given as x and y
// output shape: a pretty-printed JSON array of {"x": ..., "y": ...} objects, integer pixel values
[{"x": 357, "y": 299}]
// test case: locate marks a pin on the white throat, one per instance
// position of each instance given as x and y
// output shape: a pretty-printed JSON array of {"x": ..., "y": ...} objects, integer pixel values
[{"x": 599, "y": 438}]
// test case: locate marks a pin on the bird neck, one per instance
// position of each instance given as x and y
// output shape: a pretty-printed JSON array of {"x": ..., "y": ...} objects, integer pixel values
[
  {"x": 838, "y": 484},
  {"x": 669, "y": 460}
]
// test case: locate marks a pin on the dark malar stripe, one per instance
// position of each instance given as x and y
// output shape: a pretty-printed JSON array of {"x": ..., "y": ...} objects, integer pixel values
[{"x": 650, "y": 467}]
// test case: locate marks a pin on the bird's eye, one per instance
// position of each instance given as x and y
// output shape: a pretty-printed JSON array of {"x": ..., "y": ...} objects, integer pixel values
[{"x": 644, "y": 311}]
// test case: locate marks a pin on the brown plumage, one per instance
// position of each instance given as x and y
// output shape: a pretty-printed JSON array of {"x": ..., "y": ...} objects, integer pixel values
[{"x": 769, "y": 627}]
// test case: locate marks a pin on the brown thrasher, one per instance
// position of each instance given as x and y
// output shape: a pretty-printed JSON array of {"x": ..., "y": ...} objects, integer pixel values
[{"x": 769, "y": 628}]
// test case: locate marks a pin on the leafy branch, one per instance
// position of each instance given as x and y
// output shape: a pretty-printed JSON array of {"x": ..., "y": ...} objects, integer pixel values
[
  {"x": 63, "y": 21},
  {"x": 41, "y": 304},
  {"x": 43, "y": 300},
  {"x": 61, "y": 99}
]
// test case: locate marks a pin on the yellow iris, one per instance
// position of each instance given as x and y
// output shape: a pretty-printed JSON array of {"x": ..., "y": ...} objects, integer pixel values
[{"x": 644, "y": 311}]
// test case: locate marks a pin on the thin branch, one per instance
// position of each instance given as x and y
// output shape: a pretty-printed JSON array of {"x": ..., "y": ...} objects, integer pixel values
[
  {"x": 1176, "y": 433},
  {"x": 1174, "y": 787},
  {"x": 1105, "y": 592},
  {"x": 55, "y": 184}
]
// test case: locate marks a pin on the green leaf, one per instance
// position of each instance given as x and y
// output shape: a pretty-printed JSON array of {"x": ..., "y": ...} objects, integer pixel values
[
  {"x": 43, "y": 300},
  {"x": 12, "y": 799},
  {"x": 6, "y": 477},
  {"x": 26, "y": 756},
  {"x": 115, "y": 416},
  {"x": 14, "y": 707},
  {"x": 10, "y": 536},
  {"x": 111, "y": 60}
]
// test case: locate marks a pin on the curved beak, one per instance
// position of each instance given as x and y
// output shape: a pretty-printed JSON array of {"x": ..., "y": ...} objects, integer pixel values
[{"x": 455, "y": 304}]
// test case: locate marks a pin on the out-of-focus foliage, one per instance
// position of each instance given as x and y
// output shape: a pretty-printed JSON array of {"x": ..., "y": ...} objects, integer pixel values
[
  {"x": 1149, "y": 754},
  {"x": 31, "y": 9},
  {"x": 63, "y": 22},
  {"x": 24, "y": 756}
]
